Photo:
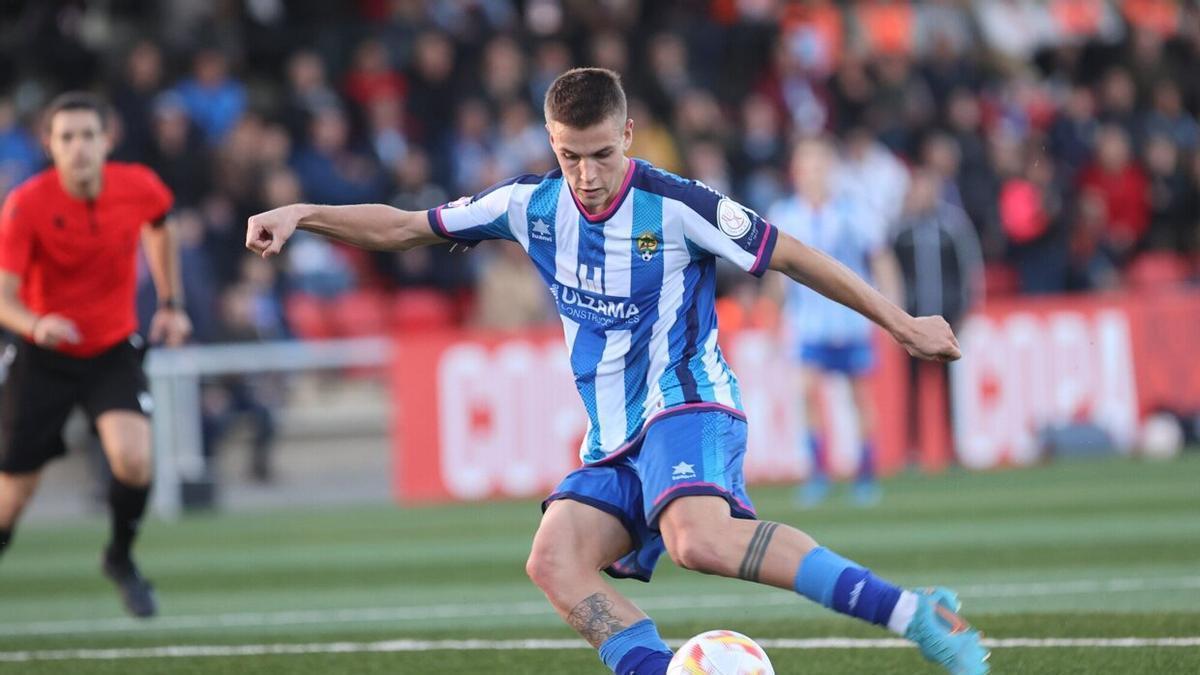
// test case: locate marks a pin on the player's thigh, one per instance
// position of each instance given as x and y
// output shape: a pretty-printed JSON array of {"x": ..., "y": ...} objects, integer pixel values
[
  {"x": 125, "y": 436},
  {"x": 577, "y": 535}
]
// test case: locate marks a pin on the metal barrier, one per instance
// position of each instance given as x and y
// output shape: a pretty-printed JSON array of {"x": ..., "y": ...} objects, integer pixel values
[{"x": 175, "y": 385}]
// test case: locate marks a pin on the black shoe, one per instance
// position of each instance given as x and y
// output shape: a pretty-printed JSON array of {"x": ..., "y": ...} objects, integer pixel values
[{"x": 136, "y": 592}]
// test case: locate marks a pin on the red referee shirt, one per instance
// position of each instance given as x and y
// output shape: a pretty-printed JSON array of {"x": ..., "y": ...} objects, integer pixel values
[{"x": 78, "y": 258}]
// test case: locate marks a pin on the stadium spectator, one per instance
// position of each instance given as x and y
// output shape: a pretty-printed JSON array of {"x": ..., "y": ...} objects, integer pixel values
[
  {"x": 308, "y": 90},
  {"x": 330, "y": 169},
  {"x": 371, "y": 77},
  {"x": 1032, "y": 216},
  {"x": 177, "y": 151},
  {"x": 1120, "y": 186},
  {"x": 214, "y": 100},
  {"x": 19, "y": 153},
  {"x": 1169, "y": 118},
  {"x": 508, "y": 293},
  {"x": 133, "y": 99},
  {"x": 1172, "y": 218}
]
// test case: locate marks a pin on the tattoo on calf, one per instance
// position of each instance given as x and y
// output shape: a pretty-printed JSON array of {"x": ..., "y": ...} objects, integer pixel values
[
  {"x": 593, "y": 619},
  {"x": 756, "y": 551}
]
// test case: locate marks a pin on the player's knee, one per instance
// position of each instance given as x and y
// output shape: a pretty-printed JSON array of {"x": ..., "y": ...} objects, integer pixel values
[
  {"x": 132, "y": 465},
  {"x": 694, "y": 548},
  {"x": 547, "y": 566}
]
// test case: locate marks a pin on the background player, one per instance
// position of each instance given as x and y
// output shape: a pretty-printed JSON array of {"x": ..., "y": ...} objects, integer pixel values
[
  {"x": 830, "y": 339},
  {"x": 629, "y": 254},
  {"x": 68, "y": 272}
]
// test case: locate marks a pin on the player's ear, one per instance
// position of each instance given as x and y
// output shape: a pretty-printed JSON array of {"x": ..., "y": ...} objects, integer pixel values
[{"x": 627, "y": 135}]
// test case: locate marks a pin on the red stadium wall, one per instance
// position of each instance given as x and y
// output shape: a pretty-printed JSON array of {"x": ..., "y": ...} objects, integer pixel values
[{"x": 481, "y": 416}]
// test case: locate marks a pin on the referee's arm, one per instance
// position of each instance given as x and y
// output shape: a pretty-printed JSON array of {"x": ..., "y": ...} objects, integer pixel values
[
  {"x": 170, "y": 323},
  {"x": 46, "y": 330}
]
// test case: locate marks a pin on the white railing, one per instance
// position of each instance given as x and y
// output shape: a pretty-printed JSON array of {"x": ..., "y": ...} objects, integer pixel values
[{"x": 175, "y": 385}]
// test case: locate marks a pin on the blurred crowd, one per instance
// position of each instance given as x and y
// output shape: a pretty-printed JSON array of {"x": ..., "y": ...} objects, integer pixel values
[{"x": 1063, "y": 133}]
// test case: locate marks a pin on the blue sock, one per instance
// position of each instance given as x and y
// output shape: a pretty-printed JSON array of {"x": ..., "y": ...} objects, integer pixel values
[
  {"x": 635, "y": 648},
  {"x": 845, "y": 587},
  {"x": 816, "y": 449},
  {"x": 866, "y": 463}
]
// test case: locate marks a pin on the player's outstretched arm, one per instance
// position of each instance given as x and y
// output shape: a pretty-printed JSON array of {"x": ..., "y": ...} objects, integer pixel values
[
  {"x": 926, "y": 337},
  {"x": 377, "y": 227}
]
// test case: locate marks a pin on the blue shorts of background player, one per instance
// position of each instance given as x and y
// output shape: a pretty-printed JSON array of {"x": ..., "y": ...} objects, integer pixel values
[
  {"x": 692, "y": 451},
  {"x": 853, "y": 359}
]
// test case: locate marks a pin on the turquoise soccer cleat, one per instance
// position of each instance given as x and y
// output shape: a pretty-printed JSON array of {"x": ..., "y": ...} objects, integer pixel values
[{"x": 943, "y": 636}]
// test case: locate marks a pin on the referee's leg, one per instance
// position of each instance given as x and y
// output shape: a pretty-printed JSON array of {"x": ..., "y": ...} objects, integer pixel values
[
  {"x": 15, "y": 491},
  {"x": 125, "y": 435}
]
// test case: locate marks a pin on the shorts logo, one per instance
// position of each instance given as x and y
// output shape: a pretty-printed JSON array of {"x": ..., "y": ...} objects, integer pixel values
[
  {"x": 732, "y": 219},
  {"x": 146, "y": 402},
  {"x": 683, "y": 470},
  {"x": 647, "y": 244}
]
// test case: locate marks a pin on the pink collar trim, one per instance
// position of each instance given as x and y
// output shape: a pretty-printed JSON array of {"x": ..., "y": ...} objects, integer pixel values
[{"x": 616, "y": 203}]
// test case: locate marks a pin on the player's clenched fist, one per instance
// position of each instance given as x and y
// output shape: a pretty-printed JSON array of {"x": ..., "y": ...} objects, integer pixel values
[
  {"x": 267, "y": 231},
  {"x": 930, "y": 338}
]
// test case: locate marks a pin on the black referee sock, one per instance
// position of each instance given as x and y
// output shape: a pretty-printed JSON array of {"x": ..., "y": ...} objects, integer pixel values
[
  {"x": 5, "y": 537},
  {"x": 128, "y": 503}
]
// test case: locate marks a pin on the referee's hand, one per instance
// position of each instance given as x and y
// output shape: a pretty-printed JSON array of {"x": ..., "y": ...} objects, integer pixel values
[
  {"x": 266, "y": 232},
  {"x": 50, "y": 330}
]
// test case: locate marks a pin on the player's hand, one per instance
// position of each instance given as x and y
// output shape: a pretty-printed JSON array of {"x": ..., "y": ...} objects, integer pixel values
[
  {"x": 50, "y": 330},
  {"x": 267, "y": 231},
  {"x": 930, "y": 338},
  {"x": 170, "y": 326}
]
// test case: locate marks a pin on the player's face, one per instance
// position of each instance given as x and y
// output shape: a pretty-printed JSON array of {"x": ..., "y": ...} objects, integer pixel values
[
  {"x": 78, "y": 144},
  {"x": 593, "y": 159}
]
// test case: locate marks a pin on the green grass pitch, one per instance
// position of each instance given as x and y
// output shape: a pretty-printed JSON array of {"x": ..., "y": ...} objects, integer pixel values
[{"x": 1107, "y": 549}]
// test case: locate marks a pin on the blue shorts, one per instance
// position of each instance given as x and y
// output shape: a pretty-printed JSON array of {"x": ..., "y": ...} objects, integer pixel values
[
  {"x": 853, "y": 358},
  {"x": 689, "y": 452}
]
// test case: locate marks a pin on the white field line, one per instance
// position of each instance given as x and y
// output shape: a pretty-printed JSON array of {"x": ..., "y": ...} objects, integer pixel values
[
  {"x": 192, "y": 651},
  {"x": 529, "y": 608}
]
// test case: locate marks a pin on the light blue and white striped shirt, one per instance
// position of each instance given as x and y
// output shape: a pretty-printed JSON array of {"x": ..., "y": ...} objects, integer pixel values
[
  {"x": 847, "y": 230},
  {"x": 634, "y": 286}
]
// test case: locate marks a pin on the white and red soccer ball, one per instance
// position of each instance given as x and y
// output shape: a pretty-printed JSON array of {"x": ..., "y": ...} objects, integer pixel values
[{"x": 720, "y": 652}]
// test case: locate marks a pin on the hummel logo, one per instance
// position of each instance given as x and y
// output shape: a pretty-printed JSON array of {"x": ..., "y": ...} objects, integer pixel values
[
  {"x": 683, "y": 470},
  {"x": 856, "y": 592},
  {"x": 541, "y": 230}
]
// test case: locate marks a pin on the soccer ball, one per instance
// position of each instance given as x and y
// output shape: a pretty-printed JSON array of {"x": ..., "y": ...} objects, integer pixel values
[{"x": 720, "y": 652}]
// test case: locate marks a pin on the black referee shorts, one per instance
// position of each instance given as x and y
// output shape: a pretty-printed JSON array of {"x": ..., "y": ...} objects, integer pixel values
[{"x": 43, "y": 386}]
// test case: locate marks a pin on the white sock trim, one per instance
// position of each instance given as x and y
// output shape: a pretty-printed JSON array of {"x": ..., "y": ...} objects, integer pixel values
[{"x": 902, "y": 613}]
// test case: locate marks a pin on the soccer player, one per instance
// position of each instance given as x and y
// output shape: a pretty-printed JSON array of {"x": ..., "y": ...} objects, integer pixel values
[
  {"x": 68, "y": 270},
  {"x": 831, "y": 339},
  {"x": 628, "y": 252}
]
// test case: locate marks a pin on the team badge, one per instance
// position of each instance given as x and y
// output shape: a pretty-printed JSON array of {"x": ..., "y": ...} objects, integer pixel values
[{"x": 647, "y": 244}]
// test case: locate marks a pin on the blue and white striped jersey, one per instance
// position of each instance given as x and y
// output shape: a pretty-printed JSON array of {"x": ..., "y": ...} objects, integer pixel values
[
  {"x": 847, "y": 230},
  {"x": 634, "y": 286}
]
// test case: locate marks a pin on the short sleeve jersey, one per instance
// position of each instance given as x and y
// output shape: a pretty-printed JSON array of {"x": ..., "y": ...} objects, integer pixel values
[
  {"x": 847, "y": 230},
  {"x": 634, "y": 286},
  {"x": 78, "y": 258}
]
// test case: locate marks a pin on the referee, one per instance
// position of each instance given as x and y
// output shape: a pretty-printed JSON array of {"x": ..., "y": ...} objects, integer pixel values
[{"x": 68, "y": 260}]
